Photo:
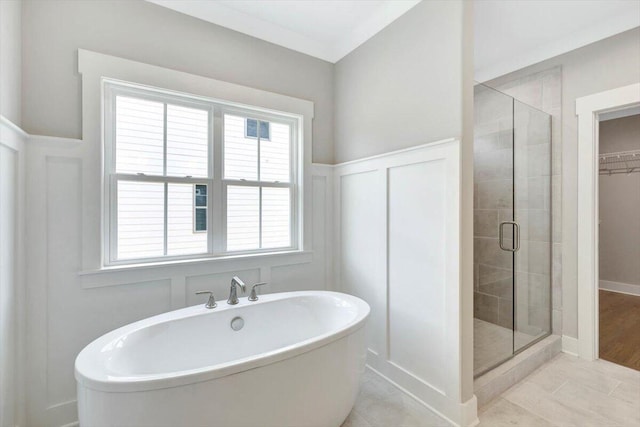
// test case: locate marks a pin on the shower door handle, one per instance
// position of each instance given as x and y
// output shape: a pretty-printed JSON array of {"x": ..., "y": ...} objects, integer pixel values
[{"x": 516, "y": 236}]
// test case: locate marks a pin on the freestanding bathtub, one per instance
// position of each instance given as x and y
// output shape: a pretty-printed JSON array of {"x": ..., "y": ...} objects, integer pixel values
[{"x": 296, "y": 361}]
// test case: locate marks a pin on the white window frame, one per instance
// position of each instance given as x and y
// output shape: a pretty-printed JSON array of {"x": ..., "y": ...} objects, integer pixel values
[{"x": 216, "y": 184}]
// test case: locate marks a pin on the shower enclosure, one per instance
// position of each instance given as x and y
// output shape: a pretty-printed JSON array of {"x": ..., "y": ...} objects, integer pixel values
[{"x": 512, "y": 227}]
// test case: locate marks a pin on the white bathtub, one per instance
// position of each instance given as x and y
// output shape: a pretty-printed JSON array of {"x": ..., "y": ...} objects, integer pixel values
[{"x": 296, "y": 362}]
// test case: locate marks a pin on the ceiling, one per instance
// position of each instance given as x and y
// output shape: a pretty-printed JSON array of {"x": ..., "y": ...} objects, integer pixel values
[
  {"x": 328, "y": 30},
  {"x": 510, "y": 35}
]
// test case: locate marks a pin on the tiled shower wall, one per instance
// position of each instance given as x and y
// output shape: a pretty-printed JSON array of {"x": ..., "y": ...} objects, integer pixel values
[{"x": 543, "y": 91}]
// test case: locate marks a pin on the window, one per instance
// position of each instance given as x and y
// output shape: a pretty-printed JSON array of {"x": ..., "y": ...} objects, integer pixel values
[
  {"x": 251, "y": 129},
  {"x": 177, "y": 191},
  {"x": 200, "y": 208}
]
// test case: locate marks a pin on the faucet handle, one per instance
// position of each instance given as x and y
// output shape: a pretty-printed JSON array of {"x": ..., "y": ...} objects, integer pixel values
[
  {"x": 254, "y": 295},
  {"x": 211, "y": 303}
]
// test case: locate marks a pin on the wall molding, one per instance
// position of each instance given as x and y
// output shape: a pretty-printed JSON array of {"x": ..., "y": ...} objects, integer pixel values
[
  {"x": 368, "y": 194},
  {"x": 11, "y": 135},
  {"x": 622, "y": 288}
]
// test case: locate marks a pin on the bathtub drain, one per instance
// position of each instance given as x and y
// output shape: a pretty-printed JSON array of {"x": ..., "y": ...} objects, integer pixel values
[{"x": 237, "y": 323}]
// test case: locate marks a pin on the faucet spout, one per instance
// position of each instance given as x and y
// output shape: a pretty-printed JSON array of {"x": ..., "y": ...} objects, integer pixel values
[{"x": 233, "y": 293}]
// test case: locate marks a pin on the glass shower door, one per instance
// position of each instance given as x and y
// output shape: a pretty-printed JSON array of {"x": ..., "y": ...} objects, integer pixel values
[
  {"x": 532, "y": 214},
  {"x": 493, "y": 205}
]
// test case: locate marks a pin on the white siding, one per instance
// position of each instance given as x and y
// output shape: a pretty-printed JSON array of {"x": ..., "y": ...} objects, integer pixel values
[
  {"x": 181, "y": 237},
  {"x": 276, "y": 218},
  {"x": 274, "y": 154},
  {"x": 140, "y": 219},
  {"x": 139, "y": 136},
  {"x": 187, "y": 141},
  {"x": 240, "y": 153},
  {"x": 243, "y": 218}
]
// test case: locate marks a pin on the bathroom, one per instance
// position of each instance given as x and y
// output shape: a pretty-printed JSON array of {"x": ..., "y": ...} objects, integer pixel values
[{"x": 421, "y": 164}]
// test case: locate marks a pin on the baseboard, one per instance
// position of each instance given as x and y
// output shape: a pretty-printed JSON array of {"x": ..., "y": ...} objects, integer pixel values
[
  {"x": 467, "y": 412},
  {"x": 470, "y": 412},
  {"x": 569, "y": 345},
  {"x": 623, "y": 288}
]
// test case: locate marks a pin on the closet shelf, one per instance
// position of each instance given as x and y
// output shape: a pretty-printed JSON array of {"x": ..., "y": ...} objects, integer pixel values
[{"x": 620, "y": 162}]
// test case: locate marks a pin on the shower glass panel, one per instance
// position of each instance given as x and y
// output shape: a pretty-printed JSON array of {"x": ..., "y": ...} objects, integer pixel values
[
  {"x": 512, "y": 227},
  {"x": 493, "y": 205},
  {"x": 532, "y": 211}
]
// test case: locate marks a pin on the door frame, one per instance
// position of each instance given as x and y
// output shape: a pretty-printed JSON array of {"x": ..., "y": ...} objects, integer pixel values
[{"x": 588, "y": 110}]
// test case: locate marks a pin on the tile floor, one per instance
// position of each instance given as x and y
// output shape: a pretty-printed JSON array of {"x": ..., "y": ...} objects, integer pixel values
[
  {"x": 380, "y": 404},
  {"x": 568, "y": 391},
  {"x": 565, "y": 392}
]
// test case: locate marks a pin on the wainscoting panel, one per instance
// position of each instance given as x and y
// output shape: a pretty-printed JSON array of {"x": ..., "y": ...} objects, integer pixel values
[
  {"x": 397, "y": 231},
  {"x": 12, "y": 173},
  {"x": 416, "y": 236},
  {"x": 361, "y": 248}
]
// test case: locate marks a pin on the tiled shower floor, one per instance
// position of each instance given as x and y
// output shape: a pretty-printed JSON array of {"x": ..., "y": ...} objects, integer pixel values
[{"x": 493, "y": 344}]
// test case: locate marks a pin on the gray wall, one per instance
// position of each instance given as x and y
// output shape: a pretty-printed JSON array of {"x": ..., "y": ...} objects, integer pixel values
[
  {"x": 10, "y": 58},
  {"x": 403, "y": 86},
  {"x": 601, "y": 66},
  {"x": 620, "y": 206},
  {"x": 54, "y": 30}
]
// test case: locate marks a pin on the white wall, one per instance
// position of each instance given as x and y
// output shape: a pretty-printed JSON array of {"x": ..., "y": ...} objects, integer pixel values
[
  {"x": 610, "y": 63},
  {"x": 619, "y": 246},
  {"x": 139, "y": 30}
]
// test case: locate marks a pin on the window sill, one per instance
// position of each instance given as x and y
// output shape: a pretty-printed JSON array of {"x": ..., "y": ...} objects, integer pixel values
[{"x": 136, "y": 273}]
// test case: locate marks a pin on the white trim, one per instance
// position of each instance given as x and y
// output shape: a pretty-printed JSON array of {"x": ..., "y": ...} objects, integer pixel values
[
  {"x": 569, "y": 345},
  {"x": 588, "y": 109},
  {"x": 11, "y": 135},
  {"x": 618, "y": 114},
  {"x": 219, "y": 14},
  {"x": 122, "y": 275},
  {"x": 393, "y": 153},
  {"x": 621, "y": 288}
]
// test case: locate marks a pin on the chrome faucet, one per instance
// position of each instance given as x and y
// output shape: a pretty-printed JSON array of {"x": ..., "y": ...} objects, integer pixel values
[
  {"x": 211, "y": 303},
  {"x": 254, "y": 294},
  {"x": 233, "y": 294}
]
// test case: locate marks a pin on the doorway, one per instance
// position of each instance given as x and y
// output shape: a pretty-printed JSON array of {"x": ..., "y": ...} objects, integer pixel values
[
  {"x": 590, "y": 109},
  {"x": 619, "y": 234}
]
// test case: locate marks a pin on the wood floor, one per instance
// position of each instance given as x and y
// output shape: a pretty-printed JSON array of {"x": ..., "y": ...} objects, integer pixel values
[{"x": 620, "y": 329}]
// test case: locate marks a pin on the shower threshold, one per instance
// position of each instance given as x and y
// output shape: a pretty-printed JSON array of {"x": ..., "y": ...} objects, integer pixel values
[{"x": 494, "y": 344}]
